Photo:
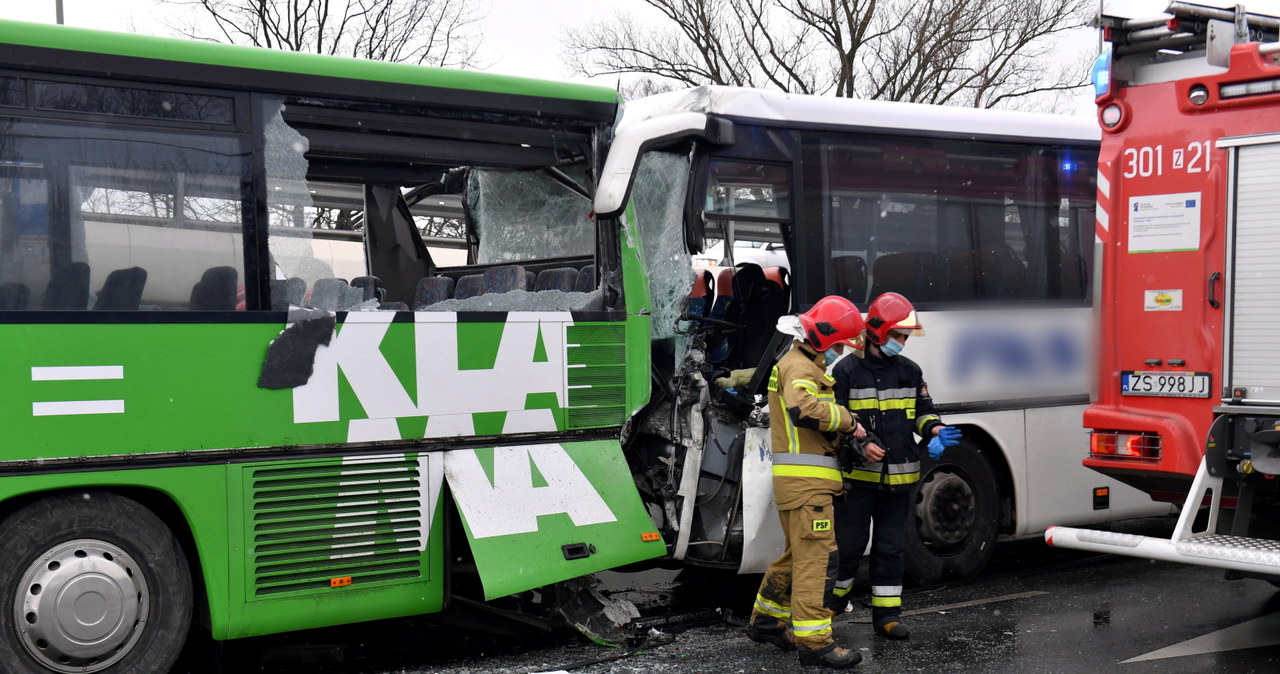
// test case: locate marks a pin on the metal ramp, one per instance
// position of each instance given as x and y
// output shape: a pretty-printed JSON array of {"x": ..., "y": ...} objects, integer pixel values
[{"x": 1186, "y": 546}]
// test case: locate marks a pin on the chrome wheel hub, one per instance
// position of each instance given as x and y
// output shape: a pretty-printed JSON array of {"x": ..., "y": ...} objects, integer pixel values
[{"x": 81, "y": 606}]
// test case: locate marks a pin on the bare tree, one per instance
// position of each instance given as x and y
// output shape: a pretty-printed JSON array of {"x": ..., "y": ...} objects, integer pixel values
[
  {"x": 427, "y": 32},
  {"x": 980, "y": 53}
]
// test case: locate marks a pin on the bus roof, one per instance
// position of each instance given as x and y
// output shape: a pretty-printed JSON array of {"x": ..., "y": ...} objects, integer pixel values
[
  {"x": 806, "y": 110},
  {"x": 83, "y": 40}
]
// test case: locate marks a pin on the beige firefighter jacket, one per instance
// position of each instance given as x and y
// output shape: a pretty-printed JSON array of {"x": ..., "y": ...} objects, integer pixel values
[{"x": 804, "y": 419}]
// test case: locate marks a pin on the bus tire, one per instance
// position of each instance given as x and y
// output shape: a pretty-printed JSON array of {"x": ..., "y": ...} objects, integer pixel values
[
  {"x": 953, "y": 523},
  {"x": 92, "y": 581}
]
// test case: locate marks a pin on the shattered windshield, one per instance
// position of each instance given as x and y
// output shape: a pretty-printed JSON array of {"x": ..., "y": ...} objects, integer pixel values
[{"x": 659, "y": 195}]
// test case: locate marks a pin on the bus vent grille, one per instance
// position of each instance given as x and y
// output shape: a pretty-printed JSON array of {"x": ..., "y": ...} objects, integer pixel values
[
  {"x": 324, "y": 526},
  {"x": 596, "y": 355}
]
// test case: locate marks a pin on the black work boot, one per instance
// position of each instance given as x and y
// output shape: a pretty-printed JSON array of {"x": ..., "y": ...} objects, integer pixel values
[
  {"x": 777, "y": 635},
  {"x": 893, "y": 630},
  {"x": 832, "y": 656}
]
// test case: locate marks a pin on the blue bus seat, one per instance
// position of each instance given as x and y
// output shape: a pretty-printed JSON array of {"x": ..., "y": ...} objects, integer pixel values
[
  {"x": 216, "y": 290},
  {"x": 432, "y": 289},
  {"x": 559, "y": 278},
  {"x": 505, "y": 279},
  {"x": 586, "y": 279},
  {"x": 122, "y": 291},
  {"x": 469, "y": 286},
  {"x": 68, "y": 287},
  {"x": 14, "y": 296}
]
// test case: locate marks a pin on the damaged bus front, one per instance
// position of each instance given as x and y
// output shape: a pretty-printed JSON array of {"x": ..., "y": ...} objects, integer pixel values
[{"x": 982, "y": 218}]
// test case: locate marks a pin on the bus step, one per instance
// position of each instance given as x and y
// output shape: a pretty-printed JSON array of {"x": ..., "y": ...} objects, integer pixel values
[{"x": 1257, "y": 555}]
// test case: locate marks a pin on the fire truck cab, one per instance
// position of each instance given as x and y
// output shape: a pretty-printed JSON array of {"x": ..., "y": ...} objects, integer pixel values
[{"x": 1188, "y": 387}]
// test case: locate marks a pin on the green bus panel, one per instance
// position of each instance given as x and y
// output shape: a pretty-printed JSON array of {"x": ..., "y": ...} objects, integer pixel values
[
  {"x": 84, "y": 390},
  {"x": 337, "y": 541},
  {"x": 539, "y": 514}
]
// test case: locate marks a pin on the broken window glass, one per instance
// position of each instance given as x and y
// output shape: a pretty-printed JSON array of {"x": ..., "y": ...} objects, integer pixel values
[
  {"x": 528, "y": 215},
  {"x": 659, "y": 197}
]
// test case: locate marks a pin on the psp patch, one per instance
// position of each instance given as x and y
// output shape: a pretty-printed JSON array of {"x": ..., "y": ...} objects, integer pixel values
[{"x": 822, "y": 525}]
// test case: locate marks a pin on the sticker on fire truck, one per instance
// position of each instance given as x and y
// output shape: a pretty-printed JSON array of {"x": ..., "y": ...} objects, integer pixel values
[
  {"x": 1164, "y": 222},
  {"x": 1162, "y": 300}
]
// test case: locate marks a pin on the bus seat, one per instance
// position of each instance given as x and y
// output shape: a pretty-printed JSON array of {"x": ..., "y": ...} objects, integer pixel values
[
  {"x": 350, "y": 297},
  {"x": 469, "y": 286},
  {"x": 14, "y": 296},
  {"x": 586, "y": 279},
  {"x": 216, "y": 290},
  {"x": 719, "y": 346},
  {"x": 1002, "y": 273},
  {"x": 122, "y": 291},
  {"x": 286, "y": 292},
  {"x": 68, "y": 287},
  {"x": 371, "y": 288},
  {"x": 531, "y": 279},
  {"x": 919, "y": 275},
  {"x": 432, "y": 289},
  {"x": 724, "y": 293},
  {"x": 758, "y": 302},
  {"x": 1071, "y": 275},
  {"x": 779, "y": 275},
  {"x": 327, "y": 294},
  {"x": 962, "y": 275},
  {"x": 704, "y": 285},
  {"x": 851, "y": 277},
  {"x": 505, "y": 279},
  {"x": 559, "y": 278}
]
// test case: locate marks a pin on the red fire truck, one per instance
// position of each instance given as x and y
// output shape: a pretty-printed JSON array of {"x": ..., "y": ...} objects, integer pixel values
[{"x": 1188, "y": 392}]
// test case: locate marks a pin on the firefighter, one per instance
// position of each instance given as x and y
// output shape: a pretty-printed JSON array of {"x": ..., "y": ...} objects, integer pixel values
[
  {"x": 888, "y": 394},
  {"x": 804, "y": 419}
]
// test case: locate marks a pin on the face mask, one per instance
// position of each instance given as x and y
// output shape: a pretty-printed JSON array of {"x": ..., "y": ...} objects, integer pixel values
[
  {"x": 892, "y": 347},
  {"x": 832, "y": 356}
]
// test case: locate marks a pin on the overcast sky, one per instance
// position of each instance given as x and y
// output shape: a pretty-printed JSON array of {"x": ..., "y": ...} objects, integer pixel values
[{"x": 520, "y": 37}]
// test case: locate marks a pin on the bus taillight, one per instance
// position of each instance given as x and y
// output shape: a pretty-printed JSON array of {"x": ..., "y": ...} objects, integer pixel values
[{"x": 1111, "y": 444}]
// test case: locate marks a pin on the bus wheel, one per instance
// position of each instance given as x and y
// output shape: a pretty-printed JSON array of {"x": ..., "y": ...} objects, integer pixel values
[
  {"x": 92, "y": 581},
  {"x": 953, "y": 524}
]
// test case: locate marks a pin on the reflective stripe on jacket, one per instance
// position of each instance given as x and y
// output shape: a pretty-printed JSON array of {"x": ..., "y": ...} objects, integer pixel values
[{"x": 892, "y": 400}]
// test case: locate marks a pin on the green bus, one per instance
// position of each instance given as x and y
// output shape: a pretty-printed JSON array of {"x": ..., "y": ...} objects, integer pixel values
[{"x": 212, "y": 413}]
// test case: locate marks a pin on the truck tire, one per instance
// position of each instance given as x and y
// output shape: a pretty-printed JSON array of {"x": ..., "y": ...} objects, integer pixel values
[
  {"x": 92, "y": 582},
  {"x": 953, "y": 524}
]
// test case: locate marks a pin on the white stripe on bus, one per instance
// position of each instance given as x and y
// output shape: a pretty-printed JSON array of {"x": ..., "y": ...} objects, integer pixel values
[
  {"x": 73, "y": 407},
  {"x": 77, "y": 373}
]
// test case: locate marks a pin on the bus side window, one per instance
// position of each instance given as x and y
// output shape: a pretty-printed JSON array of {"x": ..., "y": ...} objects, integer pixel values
[{"x": 121, "y": 213}]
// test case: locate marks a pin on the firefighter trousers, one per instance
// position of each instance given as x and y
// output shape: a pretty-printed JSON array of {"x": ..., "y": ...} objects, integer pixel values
[
  {"x": 796, "y": 584},
  {"x": 855, "y": 514}
]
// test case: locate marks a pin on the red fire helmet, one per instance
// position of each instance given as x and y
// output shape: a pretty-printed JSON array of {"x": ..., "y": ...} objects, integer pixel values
[
  {"x": 891, "y": 311},
  {"x": 832, "y": 319}
]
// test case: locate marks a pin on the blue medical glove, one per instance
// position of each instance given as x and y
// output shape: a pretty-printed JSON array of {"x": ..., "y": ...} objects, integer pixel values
[
  {"x": 936, "y": 447},
  {"x": 950, "y": 436}
]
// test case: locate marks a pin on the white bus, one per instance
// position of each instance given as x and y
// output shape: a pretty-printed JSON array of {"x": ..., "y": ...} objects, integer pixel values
[{"x": 983, "y": 219}]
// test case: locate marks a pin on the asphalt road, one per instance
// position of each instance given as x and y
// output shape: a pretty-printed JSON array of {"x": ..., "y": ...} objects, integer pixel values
[{"x": 1037, "y": 609}]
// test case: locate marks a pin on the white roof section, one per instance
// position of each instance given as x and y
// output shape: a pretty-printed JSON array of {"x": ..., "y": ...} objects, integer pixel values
[{"x": 802, "y": 110}]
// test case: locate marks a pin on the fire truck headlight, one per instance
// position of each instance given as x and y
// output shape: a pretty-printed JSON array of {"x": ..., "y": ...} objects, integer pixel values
[
  {"x": 1111, "y": 116},
  {"x": 1199, "y": 95}
]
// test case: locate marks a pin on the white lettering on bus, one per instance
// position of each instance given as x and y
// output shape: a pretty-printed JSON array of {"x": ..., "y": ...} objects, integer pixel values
[
  {"x": 443, "y": 388},
  {"x": 511, "y": 504}
]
